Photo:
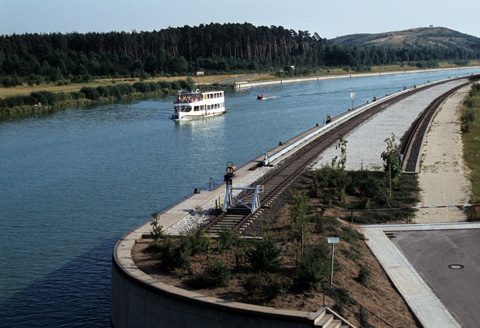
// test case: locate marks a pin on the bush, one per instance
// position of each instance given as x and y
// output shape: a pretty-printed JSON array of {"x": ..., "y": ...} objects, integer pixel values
[
  {"x": 78, "y": 95},
  {"x": 176, "y": 85},
  {"x": 164, "y": 85},
  {"x": 173, "y": 255},
  {"x": 45, "y": 97},
  {"x": 143, "y": 87},
  {"x": 104, "y": 91},
  {"x": 90, "y": 93},
  {"x": 314, "y": 267},
  {"x": 219, "y": 273},
  {"x": 197, "y": 241},
  {"x": 264, "y": 257},
  {"x": 350, "y": 235},
  {"x": 227, "y": 239},
  {"x": 216, "y": 275},
  {"x": 266, "y": 284},
  {"x": 340, "y": 295},
  {"x": 115, "y": 91},
  {"x": 364, "y": 276}
]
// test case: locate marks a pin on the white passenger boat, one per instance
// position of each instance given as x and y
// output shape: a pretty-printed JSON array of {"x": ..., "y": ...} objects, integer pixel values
[{"x": 196, "y": 104}]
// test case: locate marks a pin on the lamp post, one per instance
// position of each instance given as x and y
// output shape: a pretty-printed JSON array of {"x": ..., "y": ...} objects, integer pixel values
[
  {"x": 333, "y": 241},
  {"x": 352, "y": 95}
]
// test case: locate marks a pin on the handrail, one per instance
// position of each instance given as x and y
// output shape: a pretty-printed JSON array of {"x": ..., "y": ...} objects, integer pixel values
[
  {"x": 351, "y": 311},
  {"x": 212, "y": 184}
]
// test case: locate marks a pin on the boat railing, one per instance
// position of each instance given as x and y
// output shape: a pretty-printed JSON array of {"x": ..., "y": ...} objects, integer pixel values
[{"x": 188, "y": 99}]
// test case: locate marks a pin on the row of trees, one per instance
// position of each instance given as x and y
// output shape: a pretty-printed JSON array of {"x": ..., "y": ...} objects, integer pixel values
[{"x": 184, "y": 50}]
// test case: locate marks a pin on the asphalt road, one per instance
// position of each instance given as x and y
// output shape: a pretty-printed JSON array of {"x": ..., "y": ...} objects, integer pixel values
[{"x": 449, "y": 261}]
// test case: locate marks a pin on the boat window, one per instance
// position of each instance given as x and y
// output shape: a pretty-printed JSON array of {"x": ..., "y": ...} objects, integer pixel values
[
  {"x": 196, "y": 108},
  {"x": 202, "y": 107}
]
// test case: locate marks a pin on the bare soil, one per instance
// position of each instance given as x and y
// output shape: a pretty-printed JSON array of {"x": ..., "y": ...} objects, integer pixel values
[{"x": 380, "y": 296}]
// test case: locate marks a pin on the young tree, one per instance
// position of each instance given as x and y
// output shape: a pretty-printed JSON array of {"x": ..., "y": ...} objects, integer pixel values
[
  {"x": 341, "y": 176},
  {"x": 391, "y": 161}
]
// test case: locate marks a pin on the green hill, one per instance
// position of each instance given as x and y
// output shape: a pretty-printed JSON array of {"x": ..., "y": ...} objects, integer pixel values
[{"x": 413, "y": 38}]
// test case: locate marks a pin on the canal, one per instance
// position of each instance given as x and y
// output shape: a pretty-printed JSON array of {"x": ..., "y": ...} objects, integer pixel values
[{"x": 73, "y": 181}]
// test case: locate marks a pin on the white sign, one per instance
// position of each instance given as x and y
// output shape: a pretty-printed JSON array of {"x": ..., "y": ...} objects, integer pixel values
[
  {"x": 352, "y": 95},
  {"x": 333, "y": 240}
]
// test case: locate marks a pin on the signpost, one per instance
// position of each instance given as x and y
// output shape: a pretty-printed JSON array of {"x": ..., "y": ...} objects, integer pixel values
[{"x": 333, "y": 241}]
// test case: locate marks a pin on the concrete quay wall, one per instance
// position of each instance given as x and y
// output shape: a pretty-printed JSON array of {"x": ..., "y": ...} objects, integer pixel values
[{"x": 140, "y": 301}]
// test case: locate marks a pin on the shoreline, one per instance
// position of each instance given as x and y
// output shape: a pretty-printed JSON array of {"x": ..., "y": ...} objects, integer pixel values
[{"x": 240, "y": 85}]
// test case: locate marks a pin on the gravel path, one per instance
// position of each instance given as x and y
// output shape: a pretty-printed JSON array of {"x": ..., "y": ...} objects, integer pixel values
[
  {"x": 443, "y": 175},
  {"x": 366, "y": 143}
]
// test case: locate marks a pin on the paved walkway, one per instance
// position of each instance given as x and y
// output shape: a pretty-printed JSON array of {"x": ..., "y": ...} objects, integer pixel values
[{"x": 423, "y": 301}]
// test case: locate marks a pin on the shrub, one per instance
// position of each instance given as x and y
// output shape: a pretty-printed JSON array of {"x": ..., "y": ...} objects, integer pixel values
[
  {"x": 45, "y": 97},
  {"x": 216, "y": 275},
  {"x": 115, "y": 91},
  {"x": 154, "y": 86},
  {"x": 90, "y": 93},
  {"x": 364, "y": 316},
  {"x": 164, "y": 85},
  {"x": 176, "y": 85},
  {"x": 340, "y": 295},
  {"x": 364, "y": 276},
  {"x": 173, "y": 255},
  {"x": 350, "y": 235},
  {"x": 142, "y": 87},
  {"x": 157, "y": 229},
  {"x": 78, "y": 95},
  {"x": 265, "y": 284},
  {"x": 197, "y": 241},
  {"x": 314, "y": 267},
  {"x": 227, "y": 239},
  {"x": 352, "y": 254},
  {"x": 264, "y": 257},
  {"x": 219, "y": 273},
  {"x": 104, "y": 91}
]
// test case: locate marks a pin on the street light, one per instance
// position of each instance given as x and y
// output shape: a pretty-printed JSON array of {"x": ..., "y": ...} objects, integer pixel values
[
  {"x": 352, "y": 95},
  {"x": 333, "y": 241}
]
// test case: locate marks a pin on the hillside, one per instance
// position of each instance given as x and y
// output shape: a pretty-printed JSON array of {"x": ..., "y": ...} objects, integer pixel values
[{"x": 413, "y": 38}]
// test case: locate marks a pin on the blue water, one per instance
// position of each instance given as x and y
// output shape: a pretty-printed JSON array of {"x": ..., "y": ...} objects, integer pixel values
[{"x": 72, "y": 182}]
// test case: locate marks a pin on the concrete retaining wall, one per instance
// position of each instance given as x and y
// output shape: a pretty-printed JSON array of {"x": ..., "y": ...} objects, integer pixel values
[{"x": 138, "y": 300}]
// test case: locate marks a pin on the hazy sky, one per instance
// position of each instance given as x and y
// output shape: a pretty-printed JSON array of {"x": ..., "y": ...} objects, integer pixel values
[{"x": 328, "y": 18}]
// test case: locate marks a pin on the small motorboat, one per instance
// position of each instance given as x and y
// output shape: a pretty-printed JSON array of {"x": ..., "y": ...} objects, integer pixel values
[{"x": 260, "y": 97}]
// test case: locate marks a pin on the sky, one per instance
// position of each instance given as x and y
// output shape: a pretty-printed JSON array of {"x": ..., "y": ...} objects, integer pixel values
[{"x": 328, "y": 18}]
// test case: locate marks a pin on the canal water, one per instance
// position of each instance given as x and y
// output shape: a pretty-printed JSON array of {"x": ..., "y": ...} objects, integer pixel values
[{"x": 72, "y": 182}]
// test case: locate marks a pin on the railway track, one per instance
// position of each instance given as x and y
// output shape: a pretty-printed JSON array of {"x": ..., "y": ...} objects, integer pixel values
[
  {"x": 413, "y": 145},
  {"x": 296, "y": 164}
]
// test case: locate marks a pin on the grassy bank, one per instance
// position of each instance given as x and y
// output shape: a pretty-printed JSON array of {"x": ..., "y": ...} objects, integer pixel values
[{"x": 470, "y": 117}]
